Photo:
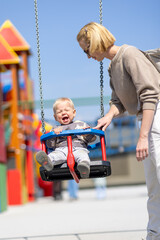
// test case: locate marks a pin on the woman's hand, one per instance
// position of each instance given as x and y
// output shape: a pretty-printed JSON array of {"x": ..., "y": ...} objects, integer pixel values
[
  {"x": 142, "y": 148},
  {"x": 104, "y": 122},
  {"x": 142, "y": 144}
]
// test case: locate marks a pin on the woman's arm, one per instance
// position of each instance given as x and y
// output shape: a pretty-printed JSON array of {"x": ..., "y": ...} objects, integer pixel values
[
  {"x": 105, "y": 121},
  {"x": 142, "y": 145}
]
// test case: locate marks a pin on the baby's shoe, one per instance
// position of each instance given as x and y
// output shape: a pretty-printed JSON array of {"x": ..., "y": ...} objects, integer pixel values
[
  {"x": 43, "y": 159},
  {"x": 84, "y": 169}
]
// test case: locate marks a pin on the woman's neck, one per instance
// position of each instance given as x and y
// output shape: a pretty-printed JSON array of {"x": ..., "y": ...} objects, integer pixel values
[{"x": 111, "y": 52}]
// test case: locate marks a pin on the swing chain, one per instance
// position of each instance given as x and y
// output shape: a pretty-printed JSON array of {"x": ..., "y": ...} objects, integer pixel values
[
  {"x": 101, "y": 88},
  {"x": 101, "y": 66},
  {"x": 39, "y": 67},
  {"x": 100, "y": 12}
]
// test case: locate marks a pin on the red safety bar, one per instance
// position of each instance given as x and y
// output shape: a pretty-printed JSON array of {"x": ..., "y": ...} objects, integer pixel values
[
  {"x": 103, "y": 148},
  {"x": 70, "y": 159},
  {"x": 44, "y": 147}
]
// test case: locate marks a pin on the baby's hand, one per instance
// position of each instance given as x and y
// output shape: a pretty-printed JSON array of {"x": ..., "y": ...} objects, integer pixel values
[
  {"x": 86, "y": 127},
  {"x": 57, "y": 130}
]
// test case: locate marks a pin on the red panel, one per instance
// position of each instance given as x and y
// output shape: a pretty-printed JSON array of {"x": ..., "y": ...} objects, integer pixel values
[
  {"x": 5, "y": 54},
  {"x": 11, "y": 37},
  {"x": 2, "y": 145},
  {"x": 14, "y": 186}
]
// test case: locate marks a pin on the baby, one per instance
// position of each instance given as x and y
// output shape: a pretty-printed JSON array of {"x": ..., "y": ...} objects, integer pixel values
[{"x": 64, "y": 113}]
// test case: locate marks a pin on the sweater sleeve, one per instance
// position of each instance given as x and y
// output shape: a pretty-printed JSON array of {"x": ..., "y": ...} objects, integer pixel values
[
  {"x": 144, "y": 76},
  {"x": 88, "y": 138},
  {"x": 114, "y": 98},
  {"x": 51, "y": 143}
]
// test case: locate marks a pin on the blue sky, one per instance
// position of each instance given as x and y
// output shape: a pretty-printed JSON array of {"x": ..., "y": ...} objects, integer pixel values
[{"x": 66, "y": 71}]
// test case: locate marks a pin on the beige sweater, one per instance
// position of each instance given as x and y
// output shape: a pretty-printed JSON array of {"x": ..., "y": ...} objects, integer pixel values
[{"x": 134, "y": 80}]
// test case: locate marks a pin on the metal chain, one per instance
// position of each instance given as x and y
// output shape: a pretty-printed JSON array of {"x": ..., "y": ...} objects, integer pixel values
[
  {"x": 101, "y": 66},
  {"x": 101, "y": 88},
  {"x": 100, "y": 12},
  {"x": 39, "y": 67}
]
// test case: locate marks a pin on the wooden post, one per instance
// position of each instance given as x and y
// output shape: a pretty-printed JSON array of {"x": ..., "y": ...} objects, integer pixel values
[
  {"x": 15, "y": 143},
  {"x": 29, "y": 131}
]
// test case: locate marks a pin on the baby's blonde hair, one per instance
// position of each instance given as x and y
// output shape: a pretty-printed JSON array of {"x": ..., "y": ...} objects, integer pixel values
[
  {"x": 63, "y": 99},
  {"x": 96, "y": 36}
]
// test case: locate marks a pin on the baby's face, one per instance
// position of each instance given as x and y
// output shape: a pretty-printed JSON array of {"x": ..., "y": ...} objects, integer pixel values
[{"x": 65, "y": 113}]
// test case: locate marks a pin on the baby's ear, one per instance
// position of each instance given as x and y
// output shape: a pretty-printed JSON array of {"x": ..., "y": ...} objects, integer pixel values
[
  {"x": 74, "y": 112},
  {"x": 55, "y": 117}
]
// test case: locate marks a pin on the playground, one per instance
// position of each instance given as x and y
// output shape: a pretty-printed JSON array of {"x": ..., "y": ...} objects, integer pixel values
[{"x": 35, "y": 203}]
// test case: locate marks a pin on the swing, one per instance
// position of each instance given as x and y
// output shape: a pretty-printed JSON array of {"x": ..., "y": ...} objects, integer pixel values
[{"x": 68, "y": 170}]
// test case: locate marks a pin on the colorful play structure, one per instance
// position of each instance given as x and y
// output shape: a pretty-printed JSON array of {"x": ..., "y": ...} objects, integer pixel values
[{"x": 16, "y": 120}]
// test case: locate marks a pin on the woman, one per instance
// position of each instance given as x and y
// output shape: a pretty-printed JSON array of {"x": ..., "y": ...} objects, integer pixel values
[{"x": 135, "y": 84}]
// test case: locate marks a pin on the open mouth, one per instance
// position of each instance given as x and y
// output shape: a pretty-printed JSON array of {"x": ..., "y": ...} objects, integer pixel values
[{"x": 65, "y": 119}]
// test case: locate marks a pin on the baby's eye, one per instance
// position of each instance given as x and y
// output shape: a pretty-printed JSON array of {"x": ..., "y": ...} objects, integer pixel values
[{"x": 58, "y": 112}]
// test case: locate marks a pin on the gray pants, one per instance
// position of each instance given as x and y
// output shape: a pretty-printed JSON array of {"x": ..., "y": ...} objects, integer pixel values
[
  {"x": 152, "y": 174},
  {"x": 60, "y": 155}
]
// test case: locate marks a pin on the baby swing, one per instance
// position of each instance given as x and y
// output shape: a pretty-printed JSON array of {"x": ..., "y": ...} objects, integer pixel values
[{"x": 68, "y": 170}]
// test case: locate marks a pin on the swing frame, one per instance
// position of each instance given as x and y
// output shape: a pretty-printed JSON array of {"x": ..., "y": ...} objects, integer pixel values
[{"x": 68, "y": 170}]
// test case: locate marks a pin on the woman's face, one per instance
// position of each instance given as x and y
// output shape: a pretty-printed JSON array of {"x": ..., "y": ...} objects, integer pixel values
[{"x": 96, "y": 55}]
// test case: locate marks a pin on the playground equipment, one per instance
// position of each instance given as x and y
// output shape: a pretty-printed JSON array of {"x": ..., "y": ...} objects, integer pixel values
[
  {"x": 3, "y": 194},
  {"x": 16, "y": 111},
  {"x": 67, "y": 171}
]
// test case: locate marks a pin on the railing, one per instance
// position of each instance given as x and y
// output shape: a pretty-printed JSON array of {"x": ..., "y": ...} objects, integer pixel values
[{"x": 121, "y": 136}]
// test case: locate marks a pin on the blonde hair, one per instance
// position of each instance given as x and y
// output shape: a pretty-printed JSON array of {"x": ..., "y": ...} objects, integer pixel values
[
  {"x": 63, "y": 99},
  {"x": 96, "y": 36}
]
